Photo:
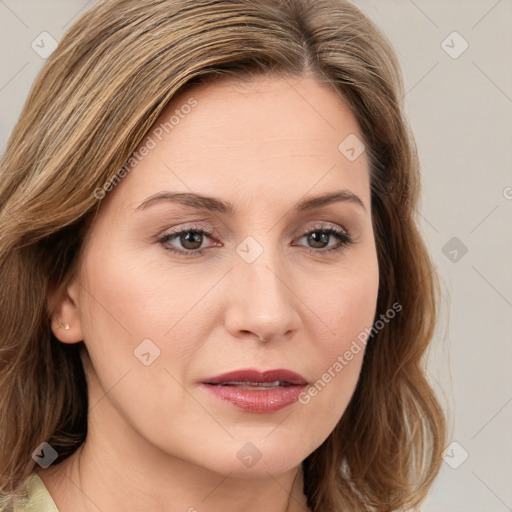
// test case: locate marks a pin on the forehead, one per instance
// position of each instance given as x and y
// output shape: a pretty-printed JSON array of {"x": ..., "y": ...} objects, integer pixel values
[
  {"x": 264, "y": 110},
  {"x": 277, "y": 136}
]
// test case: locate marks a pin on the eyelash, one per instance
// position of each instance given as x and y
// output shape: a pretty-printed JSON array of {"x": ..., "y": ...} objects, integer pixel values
[{"x": 343, "y": 237}]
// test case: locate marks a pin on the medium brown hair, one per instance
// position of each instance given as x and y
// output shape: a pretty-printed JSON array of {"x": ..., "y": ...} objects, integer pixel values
[{"x": 92, "y": 104}]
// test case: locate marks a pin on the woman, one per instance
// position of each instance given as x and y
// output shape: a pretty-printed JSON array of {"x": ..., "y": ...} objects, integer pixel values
[{"x": 215, "y": 295}]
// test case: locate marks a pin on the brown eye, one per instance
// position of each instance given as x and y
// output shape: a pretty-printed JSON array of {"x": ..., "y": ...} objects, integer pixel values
[
  {"x": 318, "y": 239},
  {"x": 191, "y": 240},
  {"x": 185, "y": 242}
]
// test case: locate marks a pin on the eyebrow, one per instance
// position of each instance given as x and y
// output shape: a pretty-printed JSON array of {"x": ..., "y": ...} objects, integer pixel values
[{"x": 216, "y": 204}]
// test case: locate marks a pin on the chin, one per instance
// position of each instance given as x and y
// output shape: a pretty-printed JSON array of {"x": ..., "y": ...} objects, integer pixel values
[{"x": 257, "y": 458}]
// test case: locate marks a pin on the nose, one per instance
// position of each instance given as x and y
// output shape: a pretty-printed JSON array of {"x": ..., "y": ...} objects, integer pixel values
[{"x": 263, "y": 302}]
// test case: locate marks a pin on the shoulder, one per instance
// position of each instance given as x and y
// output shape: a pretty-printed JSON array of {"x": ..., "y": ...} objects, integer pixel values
[{"x": 33, "y": 497}]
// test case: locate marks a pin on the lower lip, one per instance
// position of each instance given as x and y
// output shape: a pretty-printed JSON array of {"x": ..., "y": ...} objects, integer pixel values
[{"x": 257, "y": 400}]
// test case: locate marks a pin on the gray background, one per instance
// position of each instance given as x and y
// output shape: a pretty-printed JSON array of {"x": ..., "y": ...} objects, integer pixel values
[{"x": 460, "y": 109}]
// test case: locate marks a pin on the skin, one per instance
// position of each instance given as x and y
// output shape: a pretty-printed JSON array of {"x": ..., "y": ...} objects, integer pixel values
[{"x": 156, "y": 440}]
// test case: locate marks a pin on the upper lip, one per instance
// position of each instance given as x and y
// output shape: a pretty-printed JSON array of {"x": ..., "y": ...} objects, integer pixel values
[{"x": 252, "y": 375}]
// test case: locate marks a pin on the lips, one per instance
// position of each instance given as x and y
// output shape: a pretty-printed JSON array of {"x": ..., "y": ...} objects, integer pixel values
[
  {"x": 254, "y": 377},
  {"x": 255, "y": 391}
]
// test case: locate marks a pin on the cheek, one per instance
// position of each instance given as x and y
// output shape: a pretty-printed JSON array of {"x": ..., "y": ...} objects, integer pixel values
[
  {"x": 130, "y": 299},
  {"x": 349, "y": 310},
  {"x": 127, "y": 311},
  {"x": 349, "y": 304},
  {"x": 134, "y": 296}
]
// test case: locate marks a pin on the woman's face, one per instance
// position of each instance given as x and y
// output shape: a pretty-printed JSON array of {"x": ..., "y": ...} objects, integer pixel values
[{"x": 176, "y": 291}]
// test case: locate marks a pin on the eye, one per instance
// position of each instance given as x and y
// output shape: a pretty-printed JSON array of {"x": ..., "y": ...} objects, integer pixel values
[
  {"x": 319, "y": 237},
  {"x": 190, "y": 238}
]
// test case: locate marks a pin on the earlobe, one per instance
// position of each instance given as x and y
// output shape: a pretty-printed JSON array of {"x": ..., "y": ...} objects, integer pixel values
[{"x": 66, "y": 323}]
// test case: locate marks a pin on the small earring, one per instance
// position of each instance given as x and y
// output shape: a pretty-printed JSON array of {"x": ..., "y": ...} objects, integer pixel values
[{"x": 64, "y": 325}]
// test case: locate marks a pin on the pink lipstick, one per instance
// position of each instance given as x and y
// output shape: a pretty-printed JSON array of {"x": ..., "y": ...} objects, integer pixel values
[{"x": 257, "y": 391}]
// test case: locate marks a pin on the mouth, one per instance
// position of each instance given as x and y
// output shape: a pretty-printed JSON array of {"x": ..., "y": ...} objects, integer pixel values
[
  {"x": 255, "y": 391},
  {"x": 254, "y": 385}
]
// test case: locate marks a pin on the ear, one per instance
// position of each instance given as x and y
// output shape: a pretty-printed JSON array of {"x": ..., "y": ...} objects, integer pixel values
[{"x": 63, "y": 308}]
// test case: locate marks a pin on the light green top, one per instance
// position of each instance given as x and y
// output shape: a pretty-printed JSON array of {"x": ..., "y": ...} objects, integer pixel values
[{"x": 38, "y": 498}]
